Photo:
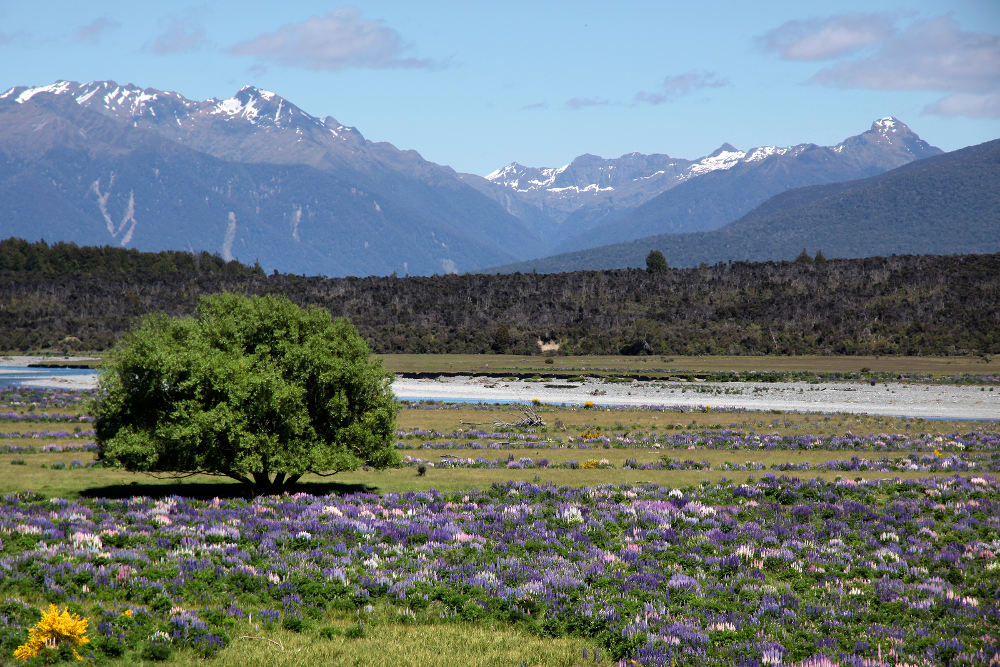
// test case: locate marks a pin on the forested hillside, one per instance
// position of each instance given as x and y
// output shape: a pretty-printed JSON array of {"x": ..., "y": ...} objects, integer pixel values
[{"x": 65, "y": 297}]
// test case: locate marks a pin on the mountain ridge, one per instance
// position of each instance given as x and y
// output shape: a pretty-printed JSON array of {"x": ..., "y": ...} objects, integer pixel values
[
  {"x": 592, "y": 201},
  {"x": 430, "y": 206},
  {"x": 266, "y": 181},
  {"x": 896, "y": 212}
]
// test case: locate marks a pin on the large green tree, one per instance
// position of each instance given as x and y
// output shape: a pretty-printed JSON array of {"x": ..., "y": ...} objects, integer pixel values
[{"x": 256, "y": 389}]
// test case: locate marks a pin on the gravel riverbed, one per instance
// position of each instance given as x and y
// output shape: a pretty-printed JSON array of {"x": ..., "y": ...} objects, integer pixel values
[
  {"x": 897, "y": 399},
  {"x": 942, "y": 401}
]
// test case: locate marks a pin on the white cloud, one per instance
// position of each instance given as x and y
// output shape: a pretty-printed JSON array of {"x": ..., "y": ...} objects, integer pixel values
[
  {"x": 934, "y": 55},
  {"x": 970, "y": 105},
  {"x": 339, "y": 40},
  {"x": 821, "y": 39},
  {"x": 679, "y": 85}
]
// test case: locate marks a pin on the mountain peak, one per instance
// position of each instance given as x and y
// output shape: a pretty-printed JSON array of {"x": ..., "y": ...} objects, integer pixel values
[
  {"x": 250, "y": 92},
  {"x": 724, "y": 148},
  {"x": 889, "y": 124},
  {"x": 892, "y": 133},
  {"x": 261, "y": 107}
]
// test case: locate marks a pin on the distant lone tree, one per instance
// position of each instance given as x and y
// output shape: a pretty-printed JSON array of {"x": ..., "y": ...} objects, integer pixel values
[
  {"x": 256, "y": 389},
  {"x": 656, "y": 262}
]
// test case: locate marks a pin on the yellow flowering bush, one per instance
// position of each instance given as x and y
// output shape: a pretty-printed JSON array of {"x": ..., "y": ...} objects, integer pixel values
[{"x": 53, "y": 629}]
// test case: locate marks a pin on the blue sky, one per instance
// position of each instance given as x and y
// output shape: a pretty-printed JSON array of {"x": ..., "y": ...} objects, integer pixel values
[{"x": 477, "y": 85}]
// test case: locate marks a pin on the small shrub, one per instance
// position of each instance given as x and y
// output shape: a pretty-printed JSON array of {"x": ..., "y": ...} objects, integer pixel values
[
  {"x": 294, "y": 624},
  {"x": 156, "y": 652}
]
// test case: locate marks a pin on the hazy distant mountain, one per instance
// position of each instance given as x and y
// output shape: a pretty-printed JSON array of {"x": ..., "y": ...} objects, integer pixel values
[
  {"x": 587, "y": 182},
  {"x": 153, "y": 170},
  {"x": 939, "y": 205},
  {"x": 593, "y": 201}
]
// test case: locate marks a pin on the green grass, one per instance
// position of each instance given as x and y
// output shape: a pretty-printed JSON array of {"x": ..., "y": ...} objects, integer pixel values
[
  {"x": 575, "y": 420},
  {"x": 96, "y": 482},
  {"x": 662, "y": 365},
  {"x": 387, "y": 639},
  {"x": 614, "y": 364},
  {"x": 390, "y": 644},
  {"x": 563, "y": 424}
]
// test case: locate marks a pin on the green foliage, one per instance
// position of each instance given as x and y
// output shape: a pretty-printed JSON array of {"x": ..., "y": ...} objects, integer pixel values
[
  {"x": 656, "y": 262},
  {"x": 256, "y": 389}
]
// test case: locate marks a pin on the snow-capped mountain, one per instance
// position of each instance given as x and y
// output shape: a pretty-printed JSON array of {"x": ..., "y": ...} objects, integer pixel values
[
  {"x": 320, "y": 231},
  {"x": 944, "y": 204},
  {"x": 254, "y": 177},
  {"x": 594, "y": 200}
]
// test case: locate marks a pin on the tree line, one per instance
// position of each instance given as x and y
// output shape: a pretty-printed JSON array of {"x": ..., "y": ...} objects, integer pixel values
[{"x": 65, "y": 297}]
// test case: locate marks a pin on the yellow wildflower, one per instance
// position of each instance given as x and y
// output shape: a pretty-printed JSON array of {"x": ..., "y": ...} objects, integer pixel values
[{"x": 53, "y": 629}]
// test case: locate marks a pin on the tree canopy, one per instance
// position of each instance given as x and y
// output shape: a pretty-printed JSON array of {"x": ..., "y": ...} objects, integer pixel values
[
  {"x": 253, "y": 388},
  {"x": 656, "y": 262}
]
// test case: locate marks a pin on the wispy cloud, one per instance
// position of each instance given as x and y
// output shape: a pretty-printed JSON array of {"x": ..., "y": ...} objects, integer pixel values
[
  {"x": 179, "y": 36},
  {"x": 679, "y": 85},
  {"x": 970, "y": 105},
  {"x": 93, "y": 31},
  {"x": 934, "y": 55},
  {"x": 929, "y": 55},
  {"x": 536, "y": 105},
  {"x": 821, "y": 39},
  {"x": 584, "y": 102},
  {"x": 336, "y": 41}
]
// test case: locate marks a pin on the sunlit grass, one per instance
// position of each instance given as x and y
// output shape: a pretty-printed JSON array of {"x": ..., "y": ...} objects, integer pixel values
[{"x": 498, "y": 363}]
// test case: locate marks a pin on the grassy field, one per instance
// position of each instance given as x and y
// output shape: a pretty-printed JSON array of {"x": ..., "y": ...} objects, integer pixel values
[
  {"x": 562, "y": 421},
  {"x": 65, "y": 473},
  {"x": 667, "y": 365},
  {"x": 387, "y": 638}
]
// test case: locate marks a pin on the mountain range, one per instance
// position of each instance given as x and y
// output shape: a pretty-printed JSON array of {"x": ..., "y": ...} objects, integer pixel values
[
  {"x": 255, "y": 178},
  {"x": 251, "y": 177},
  {"x": 947, "y": 204}
]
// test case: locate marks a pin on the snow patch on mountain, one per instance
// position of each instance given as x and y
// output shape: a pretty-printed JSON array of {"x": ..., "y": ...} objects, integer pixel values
[
  {"x": 56, "y": 88},
  {"x": 722, "y": 159},
  {"x": 763, "y": 152},
  {"x": 593, "y": 187}
]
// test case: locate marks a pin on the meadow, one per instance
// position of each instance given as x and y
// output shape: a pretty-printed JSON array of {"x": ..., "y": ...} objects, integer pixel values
[
  {"x": 659, "y": 537},
  {"x": 711, "y": 367}
]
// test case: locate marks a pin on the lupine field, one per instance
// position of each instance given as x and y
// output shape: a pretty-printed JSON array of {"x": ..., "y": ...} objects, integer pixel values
[{"x": 804, "y": 544}]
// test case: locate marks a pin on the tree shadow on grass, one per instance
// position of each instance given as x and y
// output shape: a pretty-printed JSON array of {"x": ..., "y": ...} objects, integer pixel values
[{"x": 209, "y": 490}]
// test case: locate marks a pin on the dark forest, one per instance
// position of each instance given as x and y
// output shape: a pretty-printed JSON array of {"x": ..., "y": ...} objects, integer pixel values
[{"x": 68, "y": 298}]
